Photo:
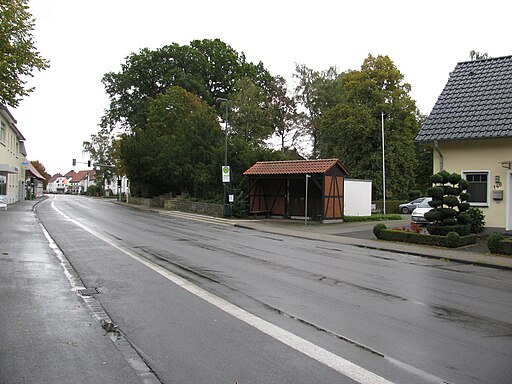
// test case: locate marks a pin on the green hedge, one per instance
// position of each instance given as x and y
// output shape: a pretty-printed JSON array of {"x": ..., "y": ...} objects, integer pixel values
[
  {"x": 378, "y": 217},
  {"x": 497, "y": 243},
  {"x": 451, "y": 240},
  {"x": 391, "y": 205},
  {"x": 443, "y": 230}
]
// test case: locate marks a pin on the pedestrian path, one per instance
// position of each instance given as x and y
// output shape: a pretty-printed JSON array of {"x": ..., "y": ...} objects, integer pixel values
[{"x": 48, "y": 334}]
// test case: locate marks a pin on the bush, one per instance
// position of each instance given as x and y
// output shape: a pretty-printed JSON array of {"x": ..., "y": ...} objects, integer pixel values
[
  {"x": 497, "y": 243},
  {"x": 94, "y": 190},
  {"x": 391, "y": 205},
  {"x": 476, "y": 220},
  {"x": 443, "y": 230},
  {"x": 414, "y": 194},
  {"x": 377, "y": 229},
  {"x": 453, "y": 240}
]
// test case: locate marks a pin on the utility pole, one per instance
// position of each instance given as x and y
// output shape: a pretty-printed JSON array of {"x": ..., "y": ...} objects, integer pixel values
[{"x": 383, "y": 166}]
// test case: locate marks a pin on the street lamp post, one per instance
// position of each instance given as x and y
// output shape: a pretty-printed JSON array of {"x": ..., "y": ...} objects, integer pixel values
[{"x": 226, "y": 213}]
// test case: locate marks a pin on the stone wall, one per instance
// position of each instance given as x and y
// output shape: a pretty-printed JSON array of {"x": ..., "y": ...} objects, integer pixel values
[
  {"x": 198, "y": 207},
  {"x": 178, "y": 204},
  {"x": 147, "y": 202}
]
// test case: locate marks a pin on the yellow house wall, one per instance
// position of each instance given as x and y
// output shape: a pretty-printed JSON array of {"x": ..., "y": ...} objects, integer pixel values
[
  {"x": 9, "y": 154},
  {"x": 483, "y": 155}
]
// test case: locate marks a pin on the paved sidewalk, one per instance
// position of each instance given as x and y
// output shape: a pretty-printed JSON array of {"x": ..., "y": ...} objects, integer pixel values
[
  {"x": 47, "y": 334},
  {"x": 361, "y": 235}
]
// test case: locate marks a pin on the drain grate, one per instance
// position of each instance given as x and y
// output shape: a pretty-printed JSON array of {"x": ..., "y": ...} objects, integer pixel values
[{"x": 88, "y": 291}]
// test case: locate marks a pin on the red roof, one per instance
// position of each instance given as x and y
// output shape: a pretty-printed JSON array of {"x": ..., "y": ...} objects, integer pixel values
[{"x": 294, "y": 167}]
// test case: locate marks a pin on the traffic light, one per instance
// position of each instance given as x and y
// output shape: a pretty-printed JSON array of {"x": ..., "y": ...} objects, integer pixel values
[
  {"x": 74, "y": 162},
  {"x": 89, "y": 163},
  {"x": 119, "y": 183}
]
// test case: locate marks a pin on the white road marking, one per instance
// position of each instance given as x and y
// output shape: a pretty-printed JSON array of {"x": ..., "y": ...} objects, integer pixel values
[{"x": 341, "y": 365}]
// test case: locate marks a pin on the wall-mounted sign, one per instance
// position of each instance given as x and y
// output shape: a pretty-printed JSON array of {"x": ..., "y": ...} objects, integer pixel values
[{"x": 226, "y": 173}]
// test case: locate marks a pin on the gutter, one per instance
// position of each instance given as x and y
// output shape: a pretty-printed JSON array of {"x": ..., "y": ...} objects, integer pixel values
[{"x": 441, "y": 157}]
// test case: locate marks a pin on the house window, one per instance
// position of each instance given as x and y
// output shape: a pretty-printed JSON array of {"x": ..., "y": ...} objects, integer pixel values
[
  {"x": 3, "y": 185},
  {"x": 2, "y": 132},
  {"x": 478, "y": 187}
]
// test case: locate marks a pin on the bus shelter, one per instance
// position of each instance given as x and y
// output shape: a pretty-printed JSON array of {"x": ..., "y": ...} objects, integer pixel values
[{"x": 281, "y": 188}]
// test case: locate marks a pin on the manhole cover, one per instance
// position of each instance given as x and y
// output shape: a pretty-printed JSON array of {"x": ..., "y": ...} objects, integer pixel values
[{"x": 88, "y": 291}]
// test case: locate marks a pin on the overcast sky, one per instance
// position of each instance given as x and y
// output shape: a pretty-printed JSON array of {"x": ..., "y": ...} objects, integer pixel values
[{"x": 86, "y": 39}]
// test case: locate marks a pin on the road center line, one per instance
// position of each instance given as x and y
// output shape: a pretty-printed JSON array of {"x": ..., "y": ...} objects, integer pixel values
[{"x": 341, "y": 365}]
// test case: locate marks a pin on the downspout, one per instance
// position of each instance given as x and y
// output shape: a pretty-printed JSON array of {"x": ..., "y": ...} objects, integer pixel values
[{"x": 441, "y": 158}]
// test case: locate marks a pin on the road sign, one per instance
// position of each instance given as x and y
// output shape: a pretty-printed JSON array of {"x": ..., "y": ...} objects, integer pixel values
[{"x": 226, "y": 173}]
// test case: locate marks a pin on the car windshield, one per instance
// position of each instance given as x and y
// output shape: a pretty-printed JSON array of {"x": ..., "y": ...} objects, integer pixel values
[{"x": 425, "y": 204}]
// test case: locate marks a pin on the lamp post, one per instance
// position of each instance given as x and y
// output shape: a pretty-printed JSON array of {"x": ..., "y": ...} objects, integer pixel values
[
  {"x": 226, "y": 213},
  {"x": 383, "y": 166}
]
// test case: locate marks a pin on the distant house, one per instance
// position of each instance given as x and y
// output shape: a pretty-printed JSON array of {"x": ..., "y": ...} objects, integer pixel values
[
  {"x": 470, "y": 128},
  {"x": 79, "y": 182},
  {"x": 56, "y": 184},
  {"x": 34, "y": 181}
]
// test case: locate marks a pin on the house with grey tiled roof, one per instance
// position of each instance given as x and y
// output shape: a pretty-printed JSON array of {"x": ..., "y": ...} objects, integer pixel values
[{"x": 470, "y": 128}]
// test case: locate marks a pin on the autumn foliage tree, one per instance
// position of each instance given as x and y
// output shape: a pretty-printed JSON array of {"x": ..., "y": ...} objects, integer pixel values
[{"x": 42, "y": 170}]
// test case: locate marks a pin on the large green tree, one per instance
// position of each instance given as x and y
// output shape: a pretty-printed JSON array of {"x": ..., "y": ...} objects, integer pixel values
[
  {"x": 316, "y": 92},
  {"x": 18, "y": 55},
  {"x": 180, "y": 150},
  {"x": 351, "y": 131},
  {"x": 251, "y": 112},
  {"x": 206, "y": 68},
  {"x": 285, "y": 116}
]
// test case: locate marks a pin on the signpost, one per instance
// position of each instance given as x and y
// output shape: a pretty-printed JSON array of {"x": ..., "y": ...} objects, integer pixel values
[{"x": 226, "y": 180}]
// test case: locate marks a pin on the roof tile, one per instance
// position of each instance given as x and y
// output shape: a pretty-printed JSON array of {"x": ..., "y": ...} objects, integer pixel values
[
  {"x": 475, "y": 103},
  {"x": 294, "y": 167}
]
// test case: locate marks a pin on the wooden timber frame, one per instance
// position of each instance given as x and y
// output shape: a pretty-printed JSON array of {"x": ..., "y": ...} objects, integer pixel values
[{"x": 279, "y": 189}]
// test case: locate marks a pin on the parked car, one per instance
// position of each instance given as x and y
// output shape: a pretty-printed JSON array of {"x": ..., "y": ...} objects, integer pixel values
[
  {"x": 418, "y": 215},
  {"x": 410, "y": 206}
]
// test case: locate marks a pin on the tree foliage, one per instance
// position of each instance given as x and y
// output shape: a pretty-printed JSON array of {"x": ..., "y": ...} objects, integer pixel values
[
  {"x": 18, "y": 55},
  {"x": 316, "y": 92},
  {"x": 475, "y": 55},
  {"x": 351, "y": 131},
  {"x": 101, "y": 153},
  {"x": 179, "y": 151},
  {"x": 206, "y": 68},
  {"x": 251, "y": 112},
  {"x": 286, "y": 119}
]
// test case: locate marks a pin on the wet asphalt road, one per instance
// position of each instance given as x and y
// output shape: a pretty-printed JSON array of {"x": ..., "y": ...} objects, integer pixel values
[{"x": 404, "y": 318}]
